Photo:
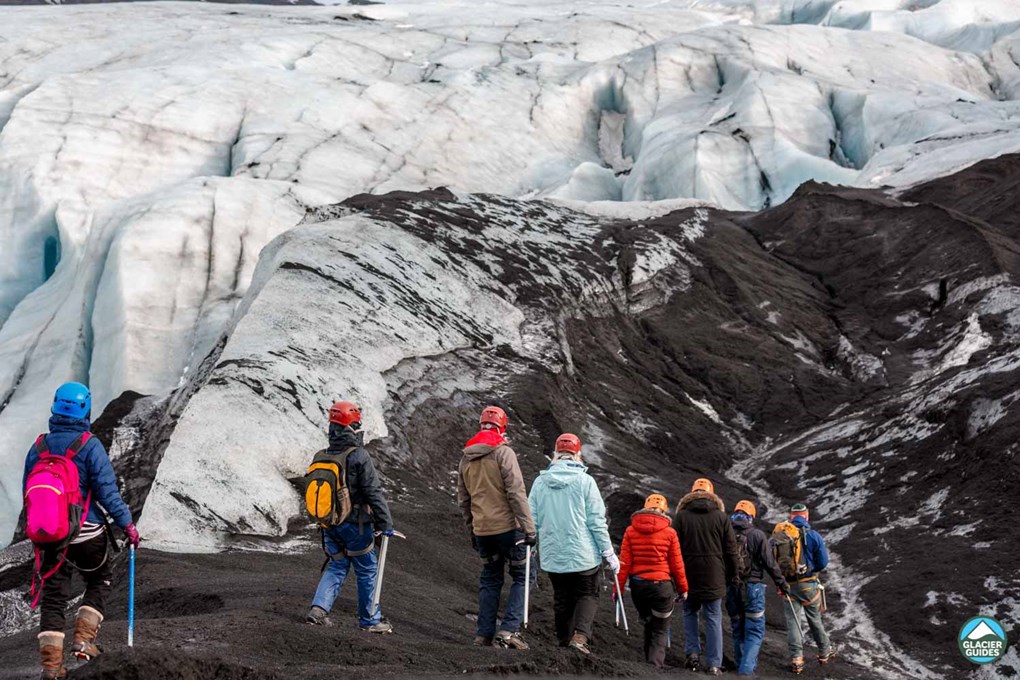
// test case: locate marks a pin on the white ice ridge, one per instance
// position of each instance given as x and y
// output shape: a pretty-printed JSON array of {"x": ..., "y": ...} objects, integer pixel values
[{"x": 142, "y": 170}]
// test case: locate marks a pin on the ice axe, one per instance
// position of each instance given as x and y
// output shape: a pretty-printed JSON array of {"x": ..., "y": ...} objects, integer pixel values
[
  {"x": 131, "y": 596},
  {"x": 825, "y": 605},
  {"x": 382, "y": 568}
]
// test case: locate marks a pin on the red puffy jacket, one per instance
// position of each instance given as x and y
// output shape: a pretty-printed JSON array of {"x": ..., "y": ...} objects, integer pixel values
[{"x": 651, "y": 550}]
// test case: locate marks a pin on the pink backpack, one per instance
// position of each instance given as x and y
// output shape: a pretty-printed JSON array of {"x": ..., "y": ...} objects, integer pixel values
[{"x": 54, "y": 513}]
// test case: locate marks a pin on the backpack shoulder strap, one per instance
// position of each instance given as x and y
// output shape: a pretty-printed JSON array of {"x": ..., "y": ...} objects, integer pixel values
[
  {"x": 41, "y": 449},
  {"x": 78, "y": 444}
]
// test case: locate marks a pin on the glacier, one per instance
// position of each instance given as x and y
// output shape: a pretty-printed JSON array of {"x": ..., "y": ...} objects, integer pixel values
[
  {"x": 182, "y": 205},
  {"x": 144, "y": 171}
]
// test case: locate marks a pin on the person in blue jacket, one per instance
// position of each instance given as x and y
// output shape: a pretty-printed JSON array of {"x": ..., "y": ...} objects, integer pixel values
[
  {"x": 573, "y": 539},
  {"x": 88, "y": 553},
  {"x": 805, "y": 595}
]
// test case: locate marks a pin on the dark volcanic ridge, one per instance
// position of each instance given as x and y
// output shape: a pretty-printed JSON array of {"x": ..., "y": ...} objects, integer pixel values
[{"x": 850, "y": 349}]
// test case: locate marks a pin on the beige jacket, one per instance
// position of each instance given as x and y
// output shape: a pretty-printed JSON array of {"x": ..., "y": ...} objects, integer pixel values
[{"x": 490, "y": 488}]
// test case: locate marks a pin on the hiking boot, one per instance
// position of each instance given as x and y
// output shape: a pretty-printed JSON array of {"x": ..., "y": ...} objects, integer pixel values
[
  {"x": 580, "y": 643},
  {"x": 381, "y": 628},
  {"x": 51, "y": 654},
  {"x": 714, "y": 670},
  {"x": 693, "y": 662},
  {"x": 482, "y": 641},
  {"x": 827, "y": 657},
  {"x": 797, "y": 665},
  {"x": 86, "y": 628},
  {"x": 508, "y": 640},
  {"x": 317, "y": 617}
]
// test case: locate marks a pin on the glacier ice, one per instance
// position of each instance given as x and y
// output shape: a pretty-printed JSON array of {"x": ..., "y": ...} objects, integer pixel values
[{"x": 143, "y": 171}]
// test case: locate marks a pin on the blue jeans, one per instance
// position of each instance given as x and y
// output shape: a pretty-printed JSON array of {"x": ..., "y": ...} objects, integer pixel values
[
  {"x": 498, "y": 553},
  {"x": 746, "y": 607},
  {"x": 338, "y": 538},
  {"x": 711, "y": 612}
]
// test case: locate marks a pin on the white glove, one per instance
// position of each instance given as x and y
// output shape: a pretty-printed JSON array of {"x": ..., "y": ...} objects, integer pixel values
[{"x": 612, "y": 560}]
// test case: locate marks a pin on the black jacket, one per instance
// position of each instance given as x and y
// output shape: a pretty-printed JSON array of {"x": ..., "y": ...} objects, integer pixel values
[
  {"x": 369, "y": 504},
  {"x": 762, "y": 559},
  {"x": 708, "y": 545}
]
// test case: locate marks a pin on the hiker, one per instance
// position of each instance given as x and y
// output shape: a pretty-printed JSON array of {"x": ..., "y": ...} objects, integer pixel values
[
  {"x": 745, "y": 600},
  {"x": 573, "y": 539},
  {"x": 83, "y": 542},
  {"x": 350, "y": 541},
  {"x": 801, "y": 556},
  {"x": 710, "y": 560},
  {"x": 494, "y": 504},
  {"x": 650, "y": 556}
]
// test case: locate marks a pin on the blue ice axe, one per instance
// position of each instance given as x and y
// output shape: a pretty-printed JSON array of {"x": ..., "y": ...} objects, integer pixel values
[{"x": 131, "y": 597}]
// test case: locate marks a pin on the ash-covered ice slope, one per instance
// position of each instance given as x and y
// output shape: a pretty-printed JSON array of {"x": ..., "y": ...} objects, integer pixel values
[
  {"x": 849, "y": 349},
  {"x": 149, "y": 151}
]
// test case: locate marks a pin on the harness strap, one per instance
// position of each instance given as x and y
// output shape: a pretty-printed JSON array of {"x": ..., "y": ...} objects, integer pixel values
[
  {"x": 344, "y": 553},
  {"x": 38, "y": 579},
  {"x": 807, "y": 603},
  {"x": 662, "y": 615},
  {"x": 359, "y": 553},
  {"x": 754, "y": 615}
]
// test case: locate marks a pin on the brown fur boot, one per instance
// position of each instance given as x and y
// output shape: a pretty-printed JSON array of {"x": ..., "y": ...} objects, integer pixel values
[
  {"x": 86, "y": 627},
  {"x": 51, "y": 653}
]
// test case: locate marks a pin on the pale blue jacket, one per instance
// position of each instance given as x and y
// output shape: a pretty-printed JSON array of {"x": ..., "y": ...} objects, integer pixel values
[{"x": 570, "y": 518}]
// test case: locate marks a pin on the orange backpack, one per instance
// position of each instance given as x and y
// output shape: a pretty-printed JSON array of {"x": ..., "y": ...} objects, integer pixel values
[{"x": 788, "y": 547}]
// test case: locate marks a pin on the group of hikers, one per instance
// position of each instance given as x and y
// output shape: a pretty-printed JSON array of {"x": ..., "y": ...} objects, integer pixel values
[{"x": 701, "y": 557}]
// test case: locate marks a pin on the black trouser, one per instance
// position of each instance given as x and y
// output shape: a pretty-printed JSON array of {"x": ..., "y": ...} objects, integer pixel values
[
  {"x": 90, "y": 559},
  {"x": 654, "y": 602},
  {"x": 575, "y": 602}
]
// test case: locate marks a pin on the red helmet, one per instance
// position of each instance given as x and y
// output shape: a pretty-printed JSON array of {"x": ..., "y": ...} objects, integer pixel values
[
  {"x": 494, "y": 415},
  {"x": 569, "y": 443},
  {"x": 344, "y": 413}
]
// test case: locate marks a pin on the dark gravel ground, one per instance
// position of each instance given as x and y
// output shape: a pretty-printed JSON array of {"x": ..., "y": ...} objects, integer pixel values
[{"x": 240, "y": 616}]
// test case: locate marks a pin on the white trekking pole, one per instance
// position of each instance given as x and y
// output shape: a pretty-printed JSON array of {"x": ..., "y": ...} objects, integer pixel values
[
  {"x": 527, "y": 582},
  {"x": 623, "y": 611}
]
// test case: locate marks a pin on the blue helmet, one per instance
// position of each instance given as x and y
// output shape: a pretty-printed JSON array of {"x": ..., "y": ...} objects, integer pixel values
[{"x": 72, "y": 399}]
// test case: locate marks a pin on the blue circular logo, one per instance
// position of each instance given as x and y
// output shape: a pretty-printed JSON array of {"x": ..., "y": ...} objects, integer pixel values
[{"x": 982, "y": 640}]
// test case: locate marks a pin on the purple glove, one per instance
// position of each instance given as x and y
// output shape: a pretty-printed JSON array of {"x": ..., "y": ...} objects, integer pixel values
[{"x": 132, "y": 534}]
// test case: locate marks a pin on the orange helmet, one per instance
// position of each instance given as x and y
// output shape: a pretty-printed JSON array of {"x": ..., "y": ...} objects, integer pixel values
[
  {"x": 344, "y": 413},
  {"x": 746, "y": 507},
  {"x": 703, "y": 485},
  {"x": 657, "y": 502},
  {"x": 570, "y": 443},
  {"x": 494, "y": 415}
]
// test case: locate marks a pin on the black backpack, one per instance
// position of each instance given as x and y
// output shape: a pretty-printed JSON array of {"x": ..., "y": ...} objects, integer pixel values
[{"x": 744, "y": 561}]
